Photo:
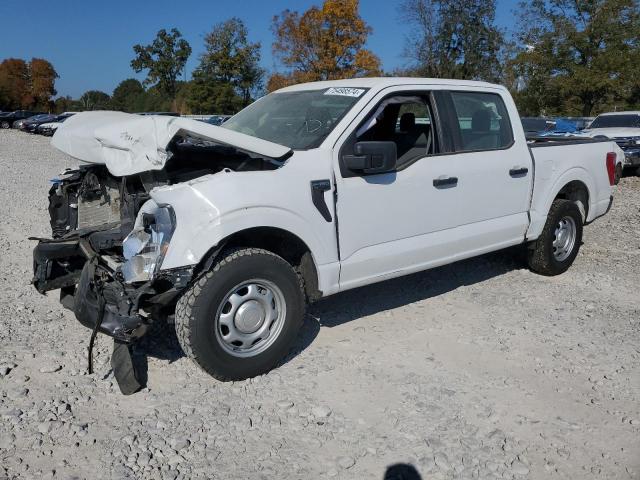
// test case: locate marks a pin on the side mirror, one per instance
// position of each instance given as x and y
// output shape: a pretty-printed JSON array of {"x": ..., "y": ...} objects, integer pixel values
[{"x": 372, "y": 157}]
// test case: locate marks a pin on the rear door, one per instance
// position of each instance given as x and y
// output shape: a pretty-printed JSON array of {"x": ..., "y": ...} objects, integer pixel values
[{"x": 493, "y": 167}]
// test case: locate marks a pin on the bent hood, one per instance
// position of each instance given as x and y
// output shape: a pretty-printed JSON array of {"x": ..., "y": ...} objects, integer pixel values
[
  {"x": 612, "y": 132},
  {"x": 128, "y": 143}
]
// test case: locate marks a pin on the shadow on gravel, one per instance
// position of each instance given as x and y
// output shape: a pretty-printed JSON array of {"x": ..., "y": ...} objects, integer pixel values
[
  {"x": 161, "y": 341},
  {"x": 379, "y": 297},
  {"x": 401, "y": 471},
  {"x": 351, "y": 305}
]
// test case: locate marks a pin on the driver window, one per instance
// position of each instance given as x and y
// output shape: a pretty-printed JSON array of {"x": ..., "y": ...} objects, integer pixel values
[{"x": 404, "y": 120}]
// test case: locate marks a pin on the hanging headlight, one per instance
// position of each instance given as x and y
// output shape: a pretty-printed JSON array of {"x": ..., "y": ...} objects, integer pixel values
[{"x": 144, "y": 248}]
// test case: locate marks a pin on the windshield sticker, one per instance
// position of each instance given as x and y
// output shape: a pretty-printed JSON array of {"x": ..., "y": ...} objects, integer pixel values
[{"x": 345, "y": 91}]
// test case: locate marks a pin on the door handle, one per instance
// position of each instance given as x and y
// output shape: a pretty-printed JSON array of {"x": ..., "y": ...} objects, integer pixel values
[
  {"x": 518, "y": 171},
  {"x": 445, "y": 182}
]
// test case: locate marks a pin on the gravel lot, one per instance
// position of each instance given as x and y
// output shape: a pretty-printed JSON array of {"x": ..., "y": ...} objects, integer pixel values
[{"x": 475, "y": 370}]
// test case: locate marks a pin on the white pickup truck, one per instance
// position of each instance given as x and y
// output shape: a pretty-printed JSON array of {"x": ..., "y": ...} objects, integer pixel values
[{"x": 227, "y": 231}]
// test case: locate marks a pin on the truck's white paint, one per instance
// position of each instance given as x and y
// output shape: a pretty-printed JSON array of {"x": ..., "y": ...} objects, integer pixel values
[{"x": 388, "y": 224}]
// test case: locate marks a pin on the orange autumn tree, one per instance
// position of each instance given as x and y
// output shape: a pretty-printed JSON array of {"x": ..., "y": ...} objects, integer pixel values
[{"x": 324, "y": 43}]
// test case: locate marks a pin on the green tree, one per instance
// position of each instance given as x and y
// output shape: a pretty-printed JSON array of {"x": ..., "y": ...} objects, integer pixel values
[
  {"x": 164, "y": 59},
  {"x": 213, "y": 97},
  {"x": 453, "y": 39},
  {"x": 127, "y": 96},
  {"x": 230, "y": 58},
  {"x": 323, "y": 43},
  {"x": 95, "y": 100},
  {"x": 577, "y": 56}
]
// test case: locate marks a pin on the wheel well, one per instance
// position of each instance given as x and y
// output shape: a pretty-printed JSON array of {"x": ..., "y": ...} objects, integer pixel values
[
  {"x": 281, "y": 242},
  {"x": 576, "y": 191}
]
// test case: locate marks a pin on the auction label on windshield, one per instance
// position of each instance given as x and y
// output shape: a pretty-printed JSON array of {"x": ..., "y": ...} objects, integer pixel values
[{"x": 345, "y": 91}]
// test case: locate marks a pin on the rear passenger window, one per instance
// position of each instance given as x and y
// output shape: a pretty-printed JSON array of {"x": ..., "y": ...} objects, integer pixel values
[{"x": 483, "y": 120}]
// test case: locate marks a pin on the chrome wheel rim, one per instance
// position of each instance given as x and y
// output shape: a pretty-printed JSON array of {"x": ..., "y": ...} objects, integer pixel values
[
  {"x": 564, "y": 238},
  {"x": 250, "y": 318}
]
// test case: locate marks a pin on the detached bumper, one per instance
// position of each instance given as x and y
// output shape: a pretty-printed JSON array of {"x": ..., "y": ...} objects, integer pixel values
[{"x": 94, "y": 291}]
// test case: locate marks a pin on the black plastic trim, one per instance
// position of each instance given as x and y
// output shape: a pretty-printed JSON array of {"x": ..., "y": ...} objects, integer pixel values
[{"x": 318, "y": 187}]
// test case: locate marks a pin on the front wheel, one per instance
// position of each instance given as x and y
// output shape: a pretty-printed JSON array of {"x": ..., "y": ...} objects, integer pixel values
[
  {"x": 4, "y": 124},
  {"x": 557, "y": 246},
  {"x": 241, "y": 318}
]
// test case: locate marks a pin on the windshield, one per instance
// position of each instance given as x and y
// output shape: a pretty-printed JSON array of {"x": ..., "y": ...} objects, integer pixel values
[
  {"x": 609, "y": 121},
  {"x": 298, "y": 120}
]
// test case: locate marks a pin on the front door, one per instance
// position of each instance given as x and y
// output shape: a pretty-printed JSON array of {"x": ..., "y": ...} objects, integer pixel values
[{"x": 390, "y": 224}]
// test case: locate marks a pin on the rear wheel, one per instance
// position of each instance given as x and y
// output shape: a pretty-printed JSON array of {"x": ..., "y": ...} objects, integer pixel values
[
  {"x": 4, "y": 124},
  {"x": 241, "y": 318},
  {"x": 558, "y": 245}
]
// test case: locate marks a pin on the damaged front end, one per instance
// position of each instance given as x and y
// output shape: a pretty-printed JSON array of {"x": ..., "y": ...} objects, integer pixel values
[
  {"x": 109, "y": 237},
  {"x": 105, "y": 257}
]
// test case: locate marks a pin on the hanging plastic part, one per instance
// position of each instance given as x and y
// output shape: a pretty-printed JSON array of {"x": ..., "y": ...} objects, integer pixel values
[{"x": 94, "y": 332}]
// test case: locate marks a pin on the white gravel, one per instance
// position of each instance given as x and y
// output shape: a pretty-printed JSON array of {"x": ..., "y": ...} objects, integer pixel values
[{"x": 475, "y": 370}]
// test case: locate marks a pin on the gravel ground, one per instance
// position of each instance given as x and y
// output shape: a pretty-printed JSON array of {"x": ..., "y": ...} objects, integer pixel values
[{"x": 479, "y": 369}]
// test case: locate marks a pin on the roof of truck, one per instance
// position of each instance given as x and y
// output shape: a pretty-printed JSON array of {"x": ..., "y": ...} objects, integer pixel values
[{"x": 383, "y": 82}]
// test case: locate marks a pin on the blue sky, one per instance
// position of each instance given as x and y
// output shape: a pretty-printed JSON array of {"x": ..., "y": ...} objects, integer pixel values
[{"x": 90, "y": 42}]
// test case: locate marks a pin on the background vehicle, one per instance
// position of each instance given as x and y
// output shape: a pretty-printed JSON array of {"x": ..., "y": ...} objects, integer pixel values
[
  {"x": 7, "y": 119},
  {"x": 311, "y": 190},
  {"x": 217, "y": 119},
  {"x": 30, "y": 124},
  {"x": 624, "y": 128},
  {"x": 164, "y": 114},
  {"x": 538, "y": 126},
  {"x": 49, "y": 128}
]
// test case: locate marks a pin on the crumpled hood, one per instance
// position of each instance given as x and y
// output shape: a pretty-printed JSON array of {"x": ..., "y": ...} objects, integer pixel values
[
  {"x": 128, "y": 143},
  {"x": 613, "y": 132}
]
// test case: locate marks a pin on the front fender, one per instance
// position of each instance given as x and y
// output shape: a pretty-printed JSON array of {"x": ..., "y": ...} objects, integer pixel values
[{"x": 201, "y": 223}]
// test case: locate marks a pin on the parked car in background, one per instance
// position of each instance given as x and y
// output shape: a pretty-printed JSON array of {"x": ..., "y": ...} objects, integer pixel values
[
  {"x": 30, "y": 124},
  {"x": 541, "y": 127},
  {"x": 164, "y": 114},
  {"x": 562, "y": 126},
  {"x": 217, "y": 119},
  {"x": 624, "y": 128},
  {"x": 49, "y": 128},
  {"x": 229, "y": 239},
  {"x": 7, "y": 118},
  {"x": 535, "y": 126}
]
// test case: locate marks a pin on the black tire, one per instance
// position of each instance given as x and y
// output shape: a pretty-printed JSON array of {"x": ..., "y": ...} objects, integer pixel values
[
  {"x": 618, "y": 174},
  {"x": 541, "y": 252},
  {"x": 4, "y": 124},
  {"x": 197, "y": 310}
]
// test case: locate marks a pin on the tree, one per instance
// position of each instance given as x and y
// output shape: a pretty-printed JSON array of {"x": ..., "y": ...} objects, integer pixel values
[
  {"x": 164, "y": 59},
  {"x": 231, "y": 58},
  {"x": 323, "y": 43},
  {"x": 453, "y": 39},
  {"x": 42, "y": 82},
  {"x": 14, "y": 83},
  {"x": 95, "y": 100},
  {"x": 127, "y": 96},
  {"x": 577, "y": 56},
  {"x": 213, "y": 97}
]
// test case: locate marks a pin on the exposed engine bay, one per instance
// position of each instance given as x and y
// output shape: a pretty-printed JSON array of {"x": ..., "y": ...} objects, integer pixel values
[{"x": 108, "y": 238}]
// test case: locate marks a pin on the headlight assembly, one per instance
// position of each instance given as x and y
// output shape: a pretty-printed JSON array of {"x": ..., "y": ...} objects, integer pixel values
[{"x": 144, "y": 248}]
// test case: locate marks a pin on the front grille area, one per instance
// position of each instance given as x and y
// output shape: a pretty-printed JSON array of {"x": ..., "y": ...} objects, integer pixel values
[{"x": 93, "y": 213}]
